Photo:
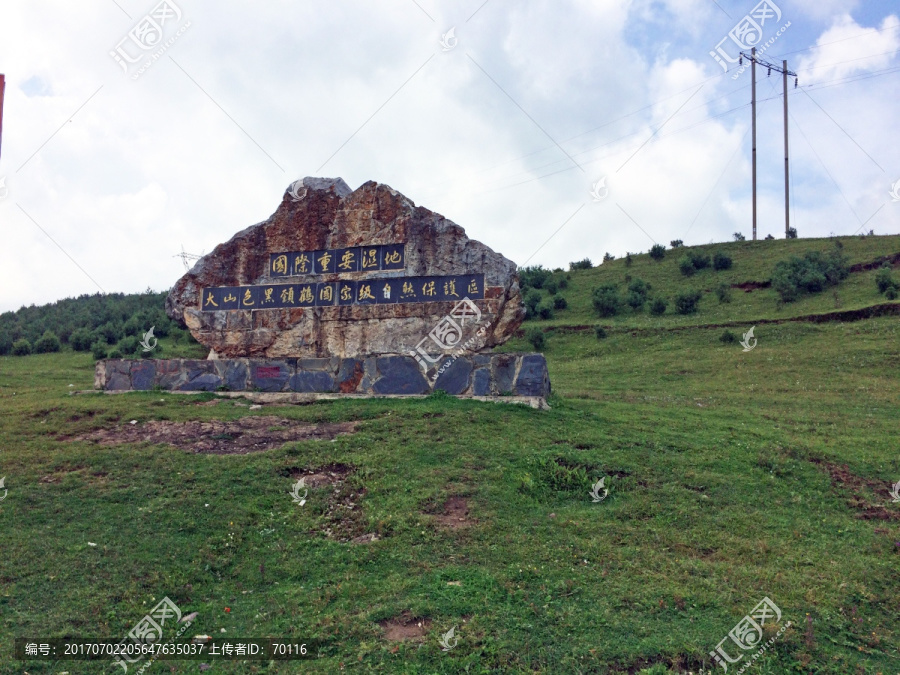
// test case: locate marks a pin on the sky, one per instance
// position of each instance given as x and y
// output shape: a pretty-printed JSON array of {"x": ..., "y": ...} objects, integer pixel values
[{"x": 551, "y": 130}]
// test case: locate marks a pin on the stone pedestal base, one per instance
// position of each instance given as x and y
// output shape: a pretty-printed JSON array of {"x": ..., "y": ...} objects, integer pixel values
[{"x": 466, "y": 375}]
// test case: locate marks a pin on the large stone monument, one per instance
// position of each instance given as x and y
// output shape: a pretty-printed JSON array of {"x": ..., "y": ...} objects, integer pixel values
[{"x": 346, "y": 291}]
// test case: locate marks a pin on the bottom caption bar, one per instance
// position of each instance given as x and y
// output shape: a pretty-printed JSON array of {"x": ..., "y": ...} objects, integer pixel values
[{"x": 130, "y": 651}]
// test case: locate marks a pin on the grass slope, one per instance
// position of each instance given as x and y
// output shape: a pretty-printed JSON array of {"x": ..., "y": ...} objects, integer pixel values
[{"x": 733, "y": 476}]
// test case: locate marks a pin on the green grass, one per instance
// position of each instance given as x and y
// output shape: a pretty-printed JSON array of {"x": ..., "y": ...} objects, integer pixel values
[
  {"x": 753, "y": 262},
  {"x": 716, "y": 460}
]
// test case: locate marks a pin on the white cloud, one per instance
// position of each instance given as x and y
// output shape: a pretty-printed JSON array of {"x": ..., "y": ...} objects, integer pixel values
[{"x": 848, "y": 48}]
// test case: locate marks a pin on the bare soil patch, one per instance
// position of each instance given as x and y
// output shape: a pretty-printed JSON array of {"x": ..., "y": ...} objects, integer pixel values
[
  {"x": 454, "y": 514},
  {"x": 842, "y": 478},
  {"x": 219, "y": 437},
  {"x": 405, "y": 627}
]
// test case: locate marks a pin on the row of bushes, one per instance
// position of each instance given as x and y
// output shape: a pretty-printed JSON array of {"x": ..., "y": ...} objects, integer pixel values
[
  {"x": 87, "y": 341},
  {"x": 608, "y": 301},
  {"x": 694, "y": 261},
  {"x": 812, "y": 273}
]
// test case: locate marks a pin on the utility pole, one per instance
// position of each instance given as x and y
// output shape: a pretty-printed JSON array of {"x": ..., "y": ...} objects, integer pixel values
[
  {"x": 783, "y": 69},
  {"x": 753, "y": 107},
  {"x": 787, "y": 185}
]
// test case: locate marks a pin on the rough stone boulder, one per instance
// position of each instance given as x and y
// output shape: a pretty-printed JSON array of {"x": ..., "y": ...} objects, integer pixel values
[{"x": 323, "y": 213}]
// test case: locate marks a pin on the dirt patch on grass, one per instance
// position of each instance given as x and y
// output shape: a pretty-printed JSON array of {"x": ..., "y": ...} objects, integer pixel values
[
  {"x": 454, "y": 514},
  {"x": 859, "y": 487},
  {"x": 219, "y": 437},
  {"x": 405, "y": 627},
  {"x": 329, "y": 474}
]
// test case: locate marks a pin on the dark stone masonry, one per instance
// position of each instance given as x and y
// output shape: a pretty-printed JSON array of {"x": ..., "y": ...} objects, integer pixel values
[{"x": 466, "y": 375}]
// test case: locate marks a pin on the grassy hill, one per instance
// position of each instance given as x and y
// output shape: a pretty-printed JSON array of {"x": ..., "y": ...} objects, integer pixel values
[{"x": 732, "y": 476}]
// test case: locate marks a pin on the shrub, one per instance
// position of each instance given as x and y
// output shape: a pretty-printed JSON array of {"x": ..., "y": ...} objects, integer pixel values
[
  {"x": 738, "y": 236},
  {"x": 640, "y": 287},
  {"x": 606, "y": 300},
  {"x": 769, "y": 236},
  {"x": 628, "y": 260},
  {"x": 723, "y": 293},
  {"x": 658, "y": 252},
  {"x": 721, "y": 261},
  {"x": 128, "y": 345},
  {"x": 545, "y": 311},
  {"x": 563, "y": 283},
  {"x": 111, "y": 332},
  {"x": 21, "y": 347},
  {"x": 98, "y": 349},
  {"x": 559, "y": 302},
  {"x": 812, "y": 273},
  {"x": 891, "y": 293},
  {"x": 608, "y": 257},
  {"x": 551, "y": 286},
  {"x": 581, "y": 264},
  {"x": 115, "y": 354},
  {"x": 884, "y": 280},
  {"x": 658, "y": 307},
  {"x": 47, "y": 343},
  {"x": 686, "y": 266},
  {"x": 792, "y": 233},
  {"x": 533, "y": 277},
  {"x": 727, "y": 337},
  {"x": 532, "y": 300},
  {"x": 80, "y": 340},
  {"x": 699, "y": 260},
  {"x": 686, "y": 303},
  {"x": 536, "y": 337},
  {"x": 600, "y": 332},
  {"x": 676, "y": 243},
  {"x": 6, "y": 343},
  {"x": 635, "y": 301}
]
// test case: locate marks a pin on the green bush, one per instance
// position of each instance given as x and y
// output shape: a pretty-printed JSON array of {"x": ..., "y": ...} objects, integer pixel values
[
  {"x": 112, "y": 332},
  {"x": 686, "y": 303},
  {"x": 115, "y": 354},
  {"x": 686, "y": 265},
  {"x": 47, "y": 343},
  {"x": 699, "y": 260},
  {"x": 721, "y": 261},
  {"x": 723, "y": 293},
  {"x": 581, "y": 264},
  {"x": 884, "y": 280},
  {"x": 640, "y": 287},
  {"x": 563, "y": 283},
  {"x": 545, "y": 310},
  {"x": 811, "y": 274},
  {"x": 676, "y": 243},
  {"x": 536, "y": 337},
  {"x": 551, "y": 286},
  {"x": 532, "y": 300},
  {"x": 606, "y": 300},
  {"x": 891, "y": 293},
  {"x": 600, "y": 332},
  {"x": 792, "y": 233},
  {"x": 769, "y": 236},
  {"x": 608, "y": 257},
  {"x": 658, "y": 307},
  {"x": 80, "y": 340},
  {"x": 658, "y": 252},
  {"x": 727, "y": 337},
  {"x": 128, "y": 345},
  {"x": 738, "y": 236},
  {"x": 6, "y": 343},
  {"x": 628, "y": 260},
  {"x": 21, "y": 347},
  {"x": 559, "y": 302},
  {"x": 635, "y": 301},
  {"x": 533, "y": 277},
  {"x": 98, "y": 349}
]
